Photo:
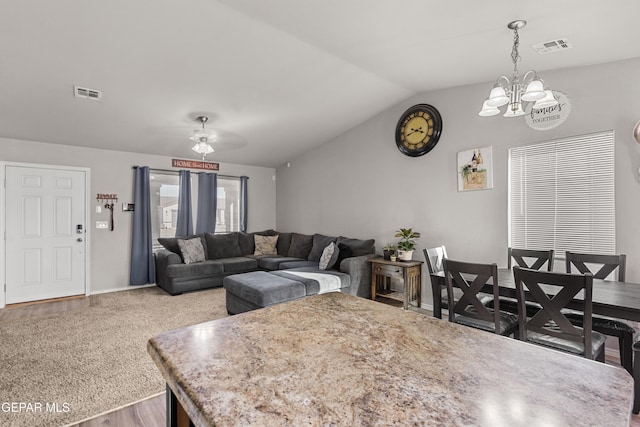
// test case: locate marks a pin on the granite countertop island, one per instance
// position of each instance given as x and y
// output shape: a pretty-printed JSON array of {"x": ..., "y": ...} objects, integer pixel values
[{"x": 334, "y": 359}]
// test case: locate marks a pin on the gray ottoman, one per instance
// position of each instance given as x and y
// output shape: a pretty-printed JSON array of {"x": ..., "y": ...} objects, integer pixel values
[{"x": 258, "y": 289}]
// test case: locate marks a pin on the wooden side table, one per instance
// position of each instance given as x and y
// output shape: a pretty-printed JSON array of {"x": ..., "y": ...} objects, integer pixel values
[{"x": 384, "y": 272}]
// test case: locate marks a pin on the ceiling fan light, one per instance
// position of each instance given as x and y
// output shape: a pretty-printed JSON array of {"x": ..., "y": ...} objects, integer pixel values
[
  {"x": 514, "y": 110},
  {"x": 498, "y": 96},
  {"x": 548, "y": 101},
  {"x": 487, "y": 110},
  {"x": 202, "y": 148},
  {"x": 534, "y": 90}
]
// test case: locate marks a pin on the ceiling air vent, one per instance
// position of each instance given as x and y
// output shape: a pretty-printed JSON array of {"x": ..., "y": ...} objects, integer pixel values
[
  {"x": 552, "y": 46},
  {"x": 83, "y": 92}
]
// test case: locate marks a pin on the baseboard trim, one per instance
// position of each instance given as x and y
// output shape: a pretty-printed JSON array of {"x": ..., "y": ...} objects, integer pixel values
[
  {"x": 128, "y": 288},
  {"x": 75, "y": 423}
]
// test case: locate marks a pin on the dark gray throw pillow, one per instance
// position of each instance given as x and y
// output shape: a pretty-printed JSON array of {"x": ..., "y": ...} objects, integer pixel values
[
  {"x": 300, "y": 245},
  {"x": 358, "y": 246},
  {"x": 319, "y": 243},
  {"x": 222, "y": 245},
  {"x": 345, "y": 252}
]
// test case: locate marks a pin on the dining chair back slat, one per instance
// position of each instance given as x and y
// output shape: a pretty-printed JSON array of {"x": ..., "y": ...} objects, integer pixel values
[
  {"x": 434, "y": 257},
  {"x": 606, "y": 263},
  {"x": 533, "y": 259}
]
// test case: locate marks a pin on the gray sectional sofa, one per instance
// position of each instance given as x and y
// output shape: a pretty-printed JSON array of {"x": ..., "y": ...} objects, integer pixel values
[{"x": 233, "y": 253}]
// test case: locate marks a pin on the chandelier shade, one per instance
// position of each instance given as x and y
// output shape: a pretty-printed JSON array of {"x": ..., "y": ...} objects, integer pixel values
[{"x": 514, "y": 91}]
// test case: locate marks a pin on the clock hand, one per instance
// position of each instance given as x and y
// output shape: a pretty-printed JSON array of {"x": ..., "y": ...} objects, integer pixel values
[{"x": 415, "y": 130}]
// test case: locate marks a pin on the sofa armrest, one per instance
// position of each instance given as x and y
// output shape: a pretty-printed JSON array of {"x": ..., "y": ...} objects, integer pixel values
[
  {"x": 164, "y": 259},
  {"x": 359, "y": 270}
]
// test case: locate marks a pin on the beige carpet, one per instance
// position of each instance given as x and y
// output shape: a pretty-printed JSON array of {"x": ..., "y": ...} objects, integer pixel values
[{"x": 93, "y": 359}]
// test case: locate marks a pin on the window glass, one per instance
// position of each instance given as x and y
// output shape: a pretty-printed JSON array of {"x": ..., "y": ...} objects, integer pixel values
[
  {"x": 561, "y": 195},
  {"x": 164, "y": 204}
]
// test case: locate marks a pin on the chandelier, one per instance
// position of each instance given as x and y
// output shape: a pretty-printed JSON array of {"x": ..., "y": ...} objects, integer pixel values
[
  {"x": 203, "y": 138},
  {"x": 513, "y": 92}
]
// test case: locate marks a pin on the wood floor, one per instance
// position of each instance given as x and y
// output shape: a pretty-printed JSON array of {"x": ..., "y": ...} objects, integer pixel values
[{"x": 151, "y": 412}]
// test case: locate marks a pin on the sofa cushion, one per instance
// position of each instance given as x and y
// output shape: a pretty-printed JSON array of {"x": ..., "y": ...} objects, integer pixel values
[
  {"x": 358, "y": 246},
  {"x": 269, "y": 232},
  {"x": 171, "y": 244},
  {"x": 344, "y": 252},
  {"x": 273, "y": 262},
  {"x": 192, "y": 250},
  {"x": 319, "y": 243},
  {"x": 297, "y": 264},
  {"x": 265, "y": 245},
  {"x": 246, "y": 243},
  {"x": 222, "y": 245},
  {"x": 263, "y": 289},
  {"x": 205, "y": 268},
  {"x": 300, "y": 245},
  {"x": 312, "y": 286},
  {"x": 329, "y": 256},
  {"x": 238, "y": 264},
  {"x": 284, "y": 242}
]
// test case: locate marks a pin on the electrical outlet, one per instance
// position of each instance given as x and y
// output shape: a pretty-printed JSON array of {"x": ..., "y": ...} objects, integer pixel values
[{"x": 102, "y": 224}]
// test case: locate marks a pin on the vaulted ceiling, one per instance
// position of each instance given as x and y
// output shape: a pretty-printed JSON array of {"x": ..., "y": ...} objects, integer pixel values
[{"x": 285, "y": 75}]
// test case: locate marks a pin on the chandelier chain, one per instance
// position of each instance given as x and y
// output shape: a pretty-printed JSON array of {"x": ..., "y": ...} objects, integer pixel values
[{"x": 515, "y": 55}]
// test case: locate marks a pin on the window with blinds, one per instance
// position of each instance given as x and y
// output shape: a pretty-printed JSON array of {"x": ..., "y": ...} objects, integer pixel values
[{"x": 561, "y": 195}]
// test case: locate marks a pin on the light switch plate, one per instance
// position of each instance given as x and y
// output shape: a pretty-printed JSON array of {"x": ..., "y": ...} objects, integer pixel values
[
  {"x": 102, "y": 224},
  {"x": 98, "y": 209}
]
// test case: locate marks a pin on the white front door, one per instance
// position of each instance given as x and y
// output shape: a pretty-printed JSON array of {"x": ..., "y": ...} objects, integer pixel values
[{"x": 45, "y": 233}]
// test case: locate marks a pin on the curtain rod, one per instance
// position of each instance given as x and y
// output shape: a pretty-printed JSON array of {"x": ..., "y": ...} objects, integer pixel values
[{"x": 176, "y": 171}]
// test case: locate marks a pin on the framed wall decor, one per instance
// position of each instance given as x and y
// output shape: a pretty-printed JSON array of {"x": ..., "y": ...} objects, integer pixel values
[{"x": 475, "y": 169}]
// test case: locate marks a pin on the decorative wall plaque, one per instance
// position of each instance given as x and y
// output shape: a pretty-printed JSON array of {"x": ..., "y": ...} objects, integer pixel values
[{"x": 548, "y": 117}]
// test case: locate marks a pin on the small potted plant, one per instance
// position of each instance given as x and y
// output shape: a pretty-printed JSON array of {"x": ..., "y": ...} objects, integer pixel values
[
  {"x": 407, "y": 244},
  {"x": 388, "y": 250}
]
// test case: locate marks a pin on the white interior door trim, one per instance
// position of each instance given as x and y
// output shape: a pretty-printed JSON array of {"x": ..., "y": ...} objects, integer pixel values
[{"x": 87, "y": 175}]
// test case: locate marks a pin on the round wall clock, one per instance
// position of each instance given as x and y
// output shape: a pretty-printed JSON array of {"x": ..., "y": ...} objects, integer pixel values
[{"x": 418, "y": 130}]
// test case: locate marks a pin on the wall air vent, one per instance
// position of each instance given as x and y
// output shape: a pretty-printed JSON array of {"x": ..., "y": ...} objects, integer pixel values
[
  {"x": 83, "y": 92},
  {"x": 552, "y": 46}
]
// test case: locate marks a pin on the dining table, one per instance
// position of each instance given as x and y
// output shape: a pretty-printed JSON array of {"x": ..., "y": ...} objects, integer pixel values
[
  {"x": 609, "y": 297},
  {"x": 337, "y": 359}
]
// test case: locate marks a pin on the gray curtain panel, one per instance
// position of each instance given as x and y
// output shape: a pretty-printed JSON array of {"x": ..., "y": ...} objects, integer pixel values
[
  {"x": 207, "y": 203},
  {"x": 184, "y": 226},
  {"x": 244, "y": 207},
  {"x": 142, "y": 269}
]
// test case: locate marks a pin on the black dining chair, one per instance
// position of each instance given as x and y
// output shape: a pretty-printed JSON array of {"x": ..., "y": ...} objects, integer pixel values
[
  {"x": 468, "y": 308},
  {"x": 606, "y": 265},
  {"x": 550, "y": 327},
  {"x": 526, "y": 258}
]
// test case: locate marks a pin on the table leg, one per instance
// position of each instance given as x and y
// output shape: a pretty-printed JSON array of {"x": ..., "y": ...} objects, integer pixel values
[{"x": 373, "y": 282}]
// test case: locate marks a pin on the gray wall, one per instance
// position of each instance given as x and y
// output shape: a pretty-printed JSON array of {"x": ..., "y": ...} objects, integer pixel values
[
  {"x": 360, "y": 184},
  {"x": 111, "y": 172}
]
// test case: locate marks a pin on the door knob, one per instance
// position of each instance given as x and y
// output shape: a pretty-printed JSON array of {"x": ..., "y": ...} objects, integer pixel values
[{"x": 79, "y": 239}]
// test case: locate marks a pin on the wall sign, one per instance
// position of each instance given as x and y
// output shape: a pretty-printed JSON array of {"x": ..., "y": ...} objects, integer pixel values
[
  {"x": 195, "y": 164},
  {"x": 548, "y": 117}
]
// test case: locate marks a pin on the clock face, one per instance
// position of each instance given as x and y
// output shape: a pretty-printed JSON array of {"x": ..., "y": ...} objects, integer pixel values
[{"x": 418, "y": 130}]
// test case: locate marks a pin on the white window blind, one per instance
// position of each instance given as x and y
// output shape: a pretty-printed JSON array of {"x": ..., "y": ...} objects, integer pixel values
[{"x": 561, "y": 195}]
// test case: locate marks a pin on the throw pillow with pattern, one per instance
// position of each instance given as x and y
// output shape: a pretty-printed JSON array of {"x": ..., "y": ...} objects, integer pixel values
[
  {"x": 266, "y": 245},
  {"x": 329, "y": 256},
  {"x": 192, "y": 250}
]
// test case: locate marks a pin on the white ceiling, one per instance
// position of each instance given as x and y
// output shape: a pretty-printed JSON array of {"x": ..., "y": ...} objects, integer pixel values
[{"x": 287, "y": 75}]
